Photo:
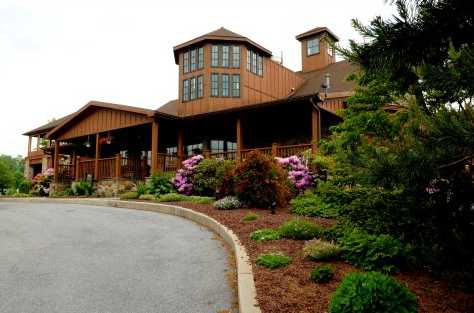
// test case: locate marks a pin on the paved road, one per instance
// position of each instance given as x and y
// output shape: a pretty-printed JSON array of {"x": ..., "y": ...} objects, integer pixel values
[{"x": 69, "y": 258}]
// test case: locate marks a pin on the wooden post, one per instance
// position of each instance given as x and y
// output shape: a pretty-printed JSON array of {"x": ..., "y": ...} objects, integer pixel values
[
  {"x": 274, "y": 149},
  {"x": 56, "y": 160},
  {"x": 207, "y": 153},
  {"x": 78, "y": 158},
  {"x": 154, "y": 147},
  {"x": 38, "y": 142},
  {"x": 180, "y": 147},
  {"x": 29, "y": 144},
  {"x": 315, "y": 135},
  {"x": 97, "y": 156},
  {"x": 239, "y": 139},
  {"x": 118, "y": 166}
]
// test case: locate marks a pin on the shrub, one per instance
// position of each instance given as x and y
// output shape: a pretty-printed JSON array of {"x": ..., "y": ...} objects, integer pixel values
[
  {"x": 20, "y": 195},
  {"x": 201, "y": 200},
  {"x": 318, "y": 249},
  {"x": 25, "y": 186},
  {"x": 228, "y": 203},
  {"x": 299, "y": 229},
  {"x": 309, "y": 204},
  {"x": 259, "y": 181},
  {"x": 141, "y": 189},
  {"x": 82, "y": 188},
  {"x": 129, "y": 195},
  {"x": 159, "y": 184},
  {"x": 322, "y": 273},
  {"x": 250, "y": 217},
  {"x": 374, "y": 252},
  {"x": 209, "y": 176},
  {"x": 298, "y": 172},
  {"x": 273, "y": 260},
  {"x": 172, "y": 197},
  {"x": 372, "y": 292},
  {"x": 183, "y": 179},
  {"x": 265, "y": 234},
  {"x": 147, "y": 197},
  {"x": 41, "y": 183}
]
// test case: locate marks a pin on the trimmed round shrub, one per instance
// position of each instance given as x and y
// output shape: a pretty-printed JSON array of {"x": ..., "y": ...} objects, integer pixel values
[
  {"x": 322, "y": 274},
  {"x": 209, "y": 175},
  {"x": 260, "y": 182},
  {"x": 159, "y": 184},
  {"x": 82, "y": 188},
  {"x": 129, "y": 195},
  {"x": 299, "y": 229},
  {"x": 265, "y": 234},
  {"x": 228, "y": 203},
  {"x": 372, "y": 292},
  {"x": 273, "y": 260},
  {"x": 250, "y": 217},
  {"x": 318, "y": 249}
]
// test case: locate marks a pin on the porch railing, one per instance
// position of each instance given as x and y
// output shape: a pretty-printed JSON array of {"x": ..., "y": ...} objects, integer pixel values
[
  {"x": 106, "y": 168},
  {"x": 167, "y": 162},
  {"x": 85, "y": 168}
]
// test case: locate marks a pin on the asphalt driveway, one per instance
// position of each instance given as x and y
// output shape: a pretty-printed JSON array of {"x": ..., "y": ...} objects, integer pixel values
[{"x": 86, "y": 259}]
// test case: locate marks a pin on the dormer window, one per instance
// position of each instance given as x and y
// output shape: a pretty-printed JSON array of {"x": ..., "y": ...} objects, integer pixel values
[
  {"x": 186, "y": 62},
  {"x": 312, "y": 46},
  {"x": 236, "y": 56},
  {"x": 215, "y": 56},
  {"x": 193, "y": 60},
  {"x": 254, "y": 62},
  {"x": 225, "y": 56},
  {"x": 201, "y": 58}
]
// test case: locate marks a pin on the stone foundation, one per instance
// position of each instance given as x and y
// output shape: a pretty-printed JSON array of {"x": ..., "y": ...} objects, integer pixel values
[{"x": 113, "y": 187}]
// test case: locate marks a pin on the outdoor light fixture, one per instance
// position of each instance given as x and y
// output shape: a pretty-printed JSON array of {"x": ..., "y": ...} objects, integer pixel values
[
  {"x": 87, "y": 143},
  {"x": 108, "y": 140}
]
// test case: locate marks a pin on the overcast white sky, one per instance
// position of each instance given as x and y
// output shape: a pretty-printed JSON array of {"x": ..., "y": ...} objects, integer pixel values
[{"x": 55, "y": 56}]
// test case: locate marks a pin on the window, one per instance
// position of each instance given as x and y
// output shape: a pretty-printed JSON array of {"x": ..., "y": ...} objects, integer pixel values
[
  {"x": 172, "y": 150},
  {"x": 186, "y": 62},
  {"x": 254, "y": 62},
  {"x": 200, "y": 58},
  {"x": 312, "y": 46},
  {"x": 235, "y": 56},
  {"x": 200, "y": 86},
  {"x": 194, "y": 149},
  {"x": 193, "y": 88},
  {"x": 225, "y": 85},
  {"x": 330, "y": 48},
  {"x": 186, "y": 90},
  {"x": 236, "y": 85},
  {"x": 249, "y": 60},
  {"x": 215, "y": 56},
  {"x": 217, "y": 146},
  {"x": 259, "y": 65},
  {"x": 225, "y": 56},
  {"x": 214, "y": 85},
  {"x": 231, "y": 146},
  {"x": 193, "y": 60}
]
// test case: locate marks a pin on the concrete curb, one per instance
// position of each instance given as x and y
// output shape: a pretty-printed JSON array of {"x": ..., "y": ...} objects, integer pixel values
[{"x": 246, "y": 286}]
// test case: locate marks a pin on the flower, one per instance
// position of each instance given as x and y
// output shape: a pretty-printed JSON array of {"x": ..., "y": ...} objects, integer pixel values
[
  {"x": 182, "y": 180},
  {"x": 298, "y": 172}
]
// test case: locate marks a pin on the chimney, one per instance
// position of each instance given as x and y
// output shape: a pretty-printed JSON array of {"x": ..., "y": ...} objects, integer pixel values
[{"x": 317, "y": 48}]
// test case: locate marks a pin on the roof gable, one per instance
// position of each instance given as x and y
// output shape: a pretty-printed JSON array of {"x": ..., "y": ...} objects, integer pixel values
[{"x": 317, "y": 31}]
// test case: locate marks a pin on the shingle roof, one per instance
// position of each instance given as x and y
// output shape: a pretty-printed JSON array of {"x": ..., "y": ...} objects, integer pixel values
[
  {"x": 316, "y": 31},
  {"x": 338, "y": 84},
  {"x": 170, "y": 107},
  {"x": 48, "y": 126},
  {"x": 221, "y": 34}
]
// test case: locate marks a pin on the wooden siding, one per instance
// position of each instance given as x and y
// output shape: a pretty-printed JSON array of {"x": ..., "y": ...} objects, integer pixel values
[
  {"x": 96, "y": 120},
  {"x": 333, "y": 105},
  {"x": 276, "y": 83},
  {"x": 315, "y": 61}
]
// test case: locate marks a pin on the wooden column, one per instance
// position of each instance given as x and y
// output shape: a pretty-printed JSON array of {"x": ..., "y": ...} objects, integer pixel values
[
  {"x": 274, "y": 149},
  {"x": 180, "y": 146},
  {"x": 97, "y": 156},
  {"x": 239, "y": 138},
  {"x": 56, "y": 160},
  {"x": 38, "y": 142},
  {"x": 78, "y": 158},
  {"x": 118, "y": 166},
  {"x": 29, "y": 144},
  {"x": 315, "y": 127},
  {"x": 154, "y": 147}
]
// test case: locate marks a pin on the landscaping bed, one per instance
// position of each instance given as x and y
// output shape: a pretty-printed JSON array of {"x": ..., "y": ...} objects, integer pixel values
[{"x": 290, "y": 289}]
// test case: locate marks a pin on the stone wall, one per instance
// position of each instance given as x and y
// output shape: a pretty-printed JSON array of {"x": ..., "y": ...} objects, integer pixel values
[{"x": 113, "y": 187}]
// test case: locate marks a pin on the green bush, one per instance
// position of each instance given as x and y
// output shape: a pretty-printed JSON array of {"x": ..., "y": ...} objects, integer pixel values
[
  {"x": 228, "y": 203},
  {"x": 250, "y": 217},
  {"x": 265, "y": 234},
  {"x": 209, "y": 175},
  {"x": 299, "y": 229},
  {"x": 309, "y": 204},
  {"x": 322, "y": 273},
  {"x": 374, "y": 252},
  {"x": 318, "y": 249},
  {"x": 141, "y": 189},
  {"x": 172, "y": 197},
  {"x": 260, "y": 182},
  {"x": 25, "y": 186},
  {"x": 20, "y": 195},
  {"x": 82, "y": 188},
  {"x": 129, "y": 195},
  {"x": 159, "y": 184},
  {"x": 201, "y": 199},
  {"x": 372, "y": 292},
  {"x": 273, "y": 260},
  {"x": 147, "y": 197}
]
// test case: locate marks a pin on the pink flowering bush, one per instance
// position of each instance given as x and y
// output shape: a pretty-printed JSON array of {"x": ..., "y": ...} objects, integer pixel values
[
  {"x": 41, "y": 182},
  {"x": 183, "y": 179},
  {"x": 298, "y": 172}
]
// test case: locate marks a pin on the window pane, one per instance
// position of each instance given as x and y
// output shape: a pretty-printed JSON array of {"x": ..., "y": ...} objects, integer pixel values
[
  {"x": 186, "y": 62},
  {"x": 193, "y": 60},
  {"x": 231, "y": 146},
  {"x": 200, "y": 87},
  {"x": 200, "y": 58},
  {"x": 186, "y": 90},
  {"x": 312, "y": 46},
  {"x": 225, "y": 56},
  {"x": 235, "y": 56},
  {"x": 236, "y": 85},
  {"x": 254, "y": 63},
  {"x": 215, "y": 56},
  {"x": 217, "y": 146},
  {"x": 225, "y": 85},
  {"x": 260, "y": 65},
  {"x": 249, "y": 60},
  {"x": 214, "y": 85},
  {"x": 193, "y": 88}
]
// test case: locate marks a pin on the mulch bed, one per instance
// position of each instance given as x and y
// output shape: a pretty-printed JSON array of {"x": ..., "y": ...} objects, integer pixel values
[{"x": 290, "y": 290}]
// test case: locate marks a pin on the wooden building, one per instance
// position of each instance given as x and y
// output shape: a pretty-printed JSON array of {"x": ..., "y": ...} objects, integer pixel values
[{"x": 233, "y": 98}]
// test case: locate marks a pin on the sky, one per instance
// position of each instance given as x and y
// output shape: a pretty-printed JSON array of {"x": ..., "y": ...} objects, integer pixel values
[{"x": 56, "y": 55}]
